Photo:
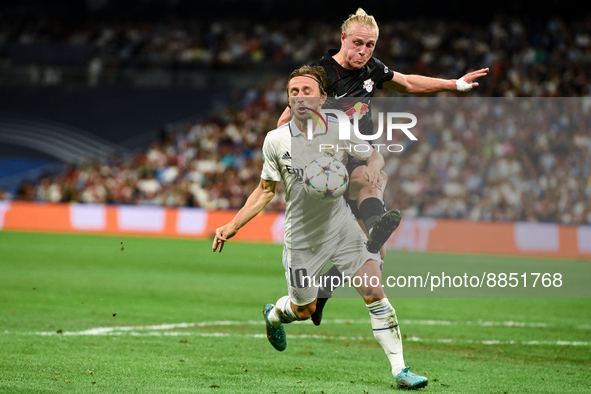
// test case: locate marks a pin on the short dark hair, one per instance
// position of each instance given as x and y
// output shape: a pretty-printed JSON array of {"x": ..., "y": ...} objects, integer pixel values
[{"x": 316, "y": 72}]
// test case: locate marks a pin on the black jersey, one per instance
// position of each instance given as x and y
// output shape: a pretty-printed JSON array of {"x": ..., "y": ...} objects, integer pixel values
[{"x": 353, "y": 89}]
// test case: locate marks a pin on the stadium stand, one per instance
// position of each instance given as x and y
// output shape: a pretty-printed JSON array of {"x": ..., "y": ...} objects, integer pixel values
[
  {"x": 527, "y": 57},
  {"x": 530, "y": 175}
]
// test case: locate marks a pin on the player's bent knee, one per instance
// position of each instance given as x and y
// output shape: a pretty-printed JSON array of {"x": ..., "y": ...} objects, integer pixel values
[
  {"x": 305, "y": 312},
  {"x": 357, "y": 177},
  {"x": 384, "y": 178},
  {"x": 303, "y": 307}
]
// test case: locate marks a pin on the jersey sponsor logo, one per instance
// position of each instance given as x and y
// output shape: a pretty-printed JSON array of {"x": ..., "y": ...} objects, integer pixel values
[
  {"x": 368, "y": 85},
  {"x": 360, "y": 108},
  {"x": 340, "y": 97},
  {"x": 297, "y": 173},
  {"x": 286, "y": 156}
]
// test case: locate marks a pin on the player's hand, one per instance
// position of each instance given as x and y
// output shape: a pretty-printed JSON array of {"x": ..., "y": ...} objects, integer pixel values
[
  {"x": 372, "y": 176},
  {"x": 471, "y": 76},
  {"x": 222, "y": 234}
]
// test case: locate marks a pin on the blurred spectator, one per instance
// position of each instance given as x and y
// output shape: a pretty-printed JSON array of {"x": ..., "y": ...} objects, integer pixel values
[
  {"x": 484, "y": 163},
  {"x": 527, "y": 56},
  {"x": 487, "y": 164}
]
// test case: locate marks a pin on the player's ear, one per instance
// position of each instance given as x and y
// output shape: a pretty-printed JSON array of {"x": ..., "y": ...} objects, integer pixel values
[
  {"x": 343, "y": 36},
  {"x": 323, "y": 99}
]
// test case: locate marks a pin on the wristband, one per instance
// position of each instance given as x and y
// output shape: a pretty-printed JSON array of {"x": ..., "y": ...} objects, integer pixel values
[{"x": 462, "y": 85}]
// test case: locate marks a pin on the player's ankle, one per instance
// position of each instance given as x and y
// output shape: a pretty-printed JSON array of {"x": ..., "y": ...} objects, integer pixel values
[
  {"x": 370, "y": 211},
  {"x": 282, "y": 313}
]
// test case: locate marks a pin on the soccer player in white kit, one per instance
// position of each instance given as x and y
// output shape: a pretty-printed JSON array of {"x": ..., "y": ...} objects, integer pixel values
[{"x": 318, "y": 231}]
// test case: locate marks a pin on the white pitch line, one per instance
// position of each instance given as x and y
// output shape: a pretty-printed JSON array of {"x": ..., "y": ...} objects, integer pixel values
[
  {"x": 305, "y": 336},
  {"x": 219, "y": 323},
  {"x": 166, "y": 330},
  {"x": 510, "y": 324}
]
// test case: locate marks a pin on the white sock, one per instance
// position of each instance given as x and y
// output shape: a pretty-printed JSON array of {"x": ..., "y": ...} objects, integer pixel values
[
  {"x": 387, "y": 333},
  {"x": 281, "y": 313}
]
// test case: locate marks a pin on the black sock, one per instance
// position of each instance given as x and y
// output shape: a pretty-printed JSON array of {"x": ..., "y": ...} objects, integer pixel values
[
  {"x": 370, "y": 210},
  {"x": 332, "y": 272}
]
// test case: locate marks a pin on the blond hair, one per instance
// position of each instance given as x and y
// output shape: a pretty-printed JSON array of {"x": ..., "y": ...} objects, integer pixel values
[{"x": 360, "y": 18}]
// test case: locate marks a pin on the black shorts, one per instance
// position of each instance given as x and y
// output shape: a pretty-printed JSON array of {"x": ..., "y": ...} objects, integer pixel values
[{"x": 351, "y": 166}]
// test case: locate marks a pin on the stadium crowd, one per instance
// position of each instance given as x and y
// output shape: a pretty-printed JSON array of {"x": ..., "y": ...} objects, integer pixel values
[
  {"x": 488, "y": 163},
  {"x": 527, "y": 56}
]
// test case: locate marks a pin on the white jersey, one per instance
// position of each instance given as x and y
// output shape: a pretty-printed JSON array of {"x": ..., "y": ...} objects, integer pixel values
[{"x": 286, "y": 154}]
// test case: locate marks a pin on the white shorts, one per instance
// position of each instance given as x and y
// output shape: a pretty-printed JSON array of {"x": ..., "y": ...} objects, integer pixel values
[{"x": 347, "y": 252}]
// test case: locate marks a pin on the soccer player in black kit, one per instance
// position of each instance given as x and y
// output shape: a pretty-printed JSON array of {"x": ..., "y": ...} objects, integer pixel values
[{"x": 354, "y": 75}]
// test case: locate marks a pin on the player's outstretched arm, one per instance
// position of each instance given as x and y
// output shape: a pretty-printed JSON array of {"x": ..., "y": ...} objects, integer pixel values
[
  {"x": 418, "y": 84},
  {"x": 284, "y": 118},
  {"x": 255, "y": 203}
]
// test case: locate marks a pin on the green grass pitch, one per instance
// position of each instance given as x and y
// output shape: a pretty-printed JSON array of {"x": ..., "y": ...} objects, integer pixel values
[{"x": 79, "y": 314}]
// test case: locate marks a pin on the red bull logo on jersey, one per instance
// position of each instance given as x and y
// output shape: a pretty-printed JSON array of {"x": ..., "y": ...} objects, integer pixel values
[{"x": 359, "y": 108}]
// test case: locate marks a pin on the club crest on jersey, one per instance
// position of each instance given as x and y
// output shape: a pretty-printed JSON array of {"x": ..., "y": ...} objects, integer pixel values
[
  {"x": 368, "y": 85},
  {"x": 329, "y": 153}
]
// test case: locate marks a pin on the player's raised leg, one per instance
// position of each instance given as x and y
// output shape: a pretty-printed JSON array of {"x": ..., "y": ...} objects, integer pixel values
[{"x": 379, "y": 224}]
